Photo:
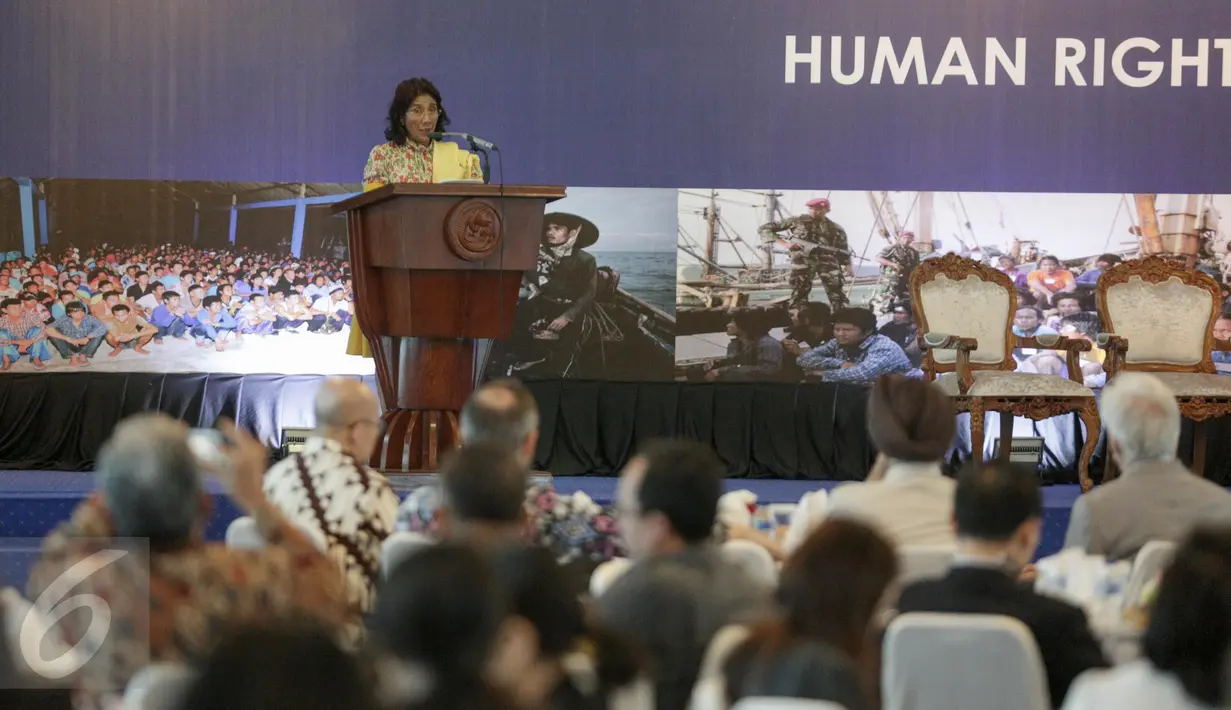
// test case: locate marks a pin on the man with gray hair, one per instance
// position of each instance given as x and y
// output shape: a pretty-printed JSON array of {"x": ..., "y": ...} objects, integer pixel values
[
  {"x": 327, "y": 490},
  {"x": 150, "y": 488},
  {"x": 1156, "y": 498}
]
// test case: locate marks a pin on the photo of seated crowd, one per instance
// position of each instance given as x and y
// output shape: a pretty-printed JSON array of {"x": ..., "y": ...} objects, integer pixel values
[
  {"x": 806, "y": 299},
  {"x": 191, "y": 289}
]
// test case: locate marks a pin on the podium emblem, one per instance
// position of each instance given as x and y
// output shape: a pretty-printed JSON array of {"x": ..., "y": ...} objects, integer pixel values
[{"x": 473, "y": 229}]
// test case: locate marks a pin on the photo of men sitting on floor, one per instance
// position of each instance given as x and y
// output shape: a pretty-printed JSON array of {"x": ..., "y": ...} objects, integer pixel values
[
  {"x": 144, "y": 276},
  {"x": 821, "y": 291}
]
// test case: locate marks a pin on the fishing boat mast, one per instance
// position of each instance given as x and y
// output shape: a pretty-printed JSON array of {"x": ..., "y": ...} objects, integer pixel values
[{"x": 711, "y": 234}]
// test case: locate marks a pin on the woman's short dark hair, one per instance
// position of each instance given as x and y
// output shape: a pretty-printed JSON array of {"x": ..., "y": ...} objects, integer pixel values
[
  {"x": 403, "y": 97},
  {"x": 1190, "y": 621}
]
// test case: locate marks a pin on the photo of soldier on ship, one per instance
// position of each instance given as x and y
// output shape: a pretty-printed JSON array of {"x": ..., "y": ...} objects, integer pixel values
[
  {"x": 793, "y": 259},
  {"x": 574, "y": 317}
]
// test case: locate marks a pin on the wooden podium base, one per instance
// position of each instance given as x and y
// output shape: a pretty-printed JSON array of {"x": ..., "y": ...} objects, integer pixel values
[
  {"x": 423, "y": 383},
  {"x": 415, "y": 439}
]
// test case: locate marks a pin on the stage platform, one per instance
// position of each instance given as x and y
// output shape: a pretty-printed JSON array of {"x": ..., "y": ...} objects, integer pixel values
[{"x": 32, "y": 503}]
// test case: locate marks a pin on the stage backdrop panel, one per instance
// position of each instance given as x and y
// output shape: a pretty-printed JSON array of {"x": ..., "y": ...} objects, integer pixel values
[
  {"x": 274, "y": 257},
  {"x": 1074, "y": 236},
  {"x": 1093, "y": 96}
]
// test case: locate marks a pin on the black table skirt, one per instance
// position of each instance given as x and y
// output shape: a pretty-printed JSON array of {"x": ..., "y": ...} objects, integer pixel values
[{"x": 761, "y": 430}]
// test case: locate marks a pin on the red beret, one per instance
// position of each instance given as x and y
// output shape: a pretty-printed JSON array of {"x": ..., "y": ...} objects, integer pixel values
[{"x": 818, "y": 202}]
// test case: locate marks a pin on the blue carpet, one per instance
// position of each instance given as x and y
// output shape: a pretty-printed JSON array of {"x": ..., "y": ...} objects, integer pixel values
[{"x": 34, "y": 502}]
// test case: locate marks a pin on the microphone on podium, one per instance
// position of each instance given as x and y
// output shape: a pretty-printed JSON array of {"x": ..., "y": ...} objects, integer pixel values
[{"x": 474, "y": 141}]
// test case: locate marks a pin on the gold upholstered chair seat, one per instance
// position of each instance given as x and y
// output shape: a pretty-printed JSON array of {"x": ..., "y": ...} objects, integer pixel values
[{"x": 994, "y": 383}]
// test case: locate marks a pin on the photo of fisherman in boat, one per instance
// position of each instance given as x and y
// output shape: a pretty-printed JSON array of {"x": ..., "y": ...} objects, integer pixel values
[
  {"x": 1053, "y": 247},
  {"x": 598, "y": 304}
]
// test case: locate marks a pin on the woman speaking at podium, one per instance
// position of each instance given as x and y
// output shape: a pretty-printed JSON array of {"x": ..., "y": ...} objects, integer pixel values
[{"x": 410, "y": 155}]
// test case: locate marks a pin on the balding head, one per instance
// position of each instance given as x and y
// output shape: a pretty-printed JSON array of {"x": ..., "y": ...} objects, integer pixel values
[
  {"x": 150, "y": 480},
  {"x": 348, "y": 413},
  {"x": 502, "y": 413}
]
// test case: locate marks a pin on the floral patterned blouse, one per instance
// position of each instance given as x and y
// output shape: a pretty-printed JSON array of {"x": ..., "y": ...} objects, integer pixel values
[
  {"x": 390, "y": 163},
  {"x": 572, "y": 526}
]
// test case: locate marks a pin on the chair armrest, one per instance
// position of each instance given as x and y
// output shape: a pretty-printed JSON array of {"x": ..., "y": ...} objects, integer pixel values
[
  {"x": 1116, "y": 347},
  {"x": 1222, "y": 346},
  {"x": 1072, "y": 347},
  {"x": 963, "y": 346}
]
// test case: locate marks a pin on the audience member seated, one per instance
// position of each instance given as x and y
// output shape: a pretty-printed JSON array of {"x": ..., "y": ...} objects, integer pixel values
[
  {"x": 280, "y": 667},
  {"x": 327, "y": 489},
  {"x": 857, "y": 354},
  {"x": 76, "y": 335},
  {"x": 826, "y": 643},
  {"x": 1155, "y": 497},
  {"x": 1089, "y": 278},
  {"x": 483, "y": 494},
  {"x": 752, "y": 354},
  {"x": 1186, "y": 645},
  {"x": 908, "y": 497},
  {"x": 443, "y": 621},
  {"x": 1066, "y": 304},
  {"x": 1078, "y": 326},
  {"x": 151, "y": 489},
  {"x": 565, "y": 663},
  {"x": 214, "y": 324},
  {"x": 128, "y": 330},
  {"x": 168, "y": 317},
  {"x": 679, "y": 591},
  {"x": 1050, "y": 280},
  {"x": 1222, "y": 331},
  {"x": 903, "y": 331},
  {"x": 22, "y": 333},
  {"x": 502, "y": 413},
  {"x": 811, "y": 326},
  {"x": 998, "y": 512},
  {"x": 1028, "y": 323}
]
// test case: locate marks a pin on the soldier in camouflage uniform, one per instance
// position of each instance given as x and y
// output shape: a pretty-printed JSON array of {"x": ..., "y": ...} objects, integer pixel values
[
  {"x": 830, "y": 260},
  {"x": 898, "y": 262}
]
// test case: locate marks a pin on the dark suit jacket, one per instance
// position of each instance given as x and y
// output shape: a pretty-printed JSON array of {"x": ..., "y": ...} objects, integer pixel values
[{"x": 1065, "y": 641}]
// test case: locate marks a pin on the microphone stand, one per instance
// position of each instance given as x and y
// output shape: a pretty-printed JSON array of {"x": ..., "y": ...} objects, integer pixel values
[{"x": 485, "y": 162}]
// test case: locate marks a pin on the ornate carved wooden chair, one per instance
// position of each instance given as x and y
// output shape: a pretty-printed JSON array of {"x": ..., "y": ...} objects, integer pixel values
[
  {"x": 964, "y": 311},
  {"x": 1158, "y": 317}
]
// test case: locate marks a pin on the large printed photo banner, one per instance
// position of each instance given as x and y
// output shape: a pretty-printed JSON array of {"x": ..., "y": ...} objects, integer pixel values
[
  {"x": 761, "y": 272},
  {"x": 156, "y": 276},
  {"x": 1093, "y": 96}
]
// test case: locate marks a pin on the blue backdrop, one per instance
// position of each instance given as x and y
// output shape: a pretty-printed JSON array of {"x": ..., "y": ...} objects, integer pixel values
[{"x": 603, "y": 92}]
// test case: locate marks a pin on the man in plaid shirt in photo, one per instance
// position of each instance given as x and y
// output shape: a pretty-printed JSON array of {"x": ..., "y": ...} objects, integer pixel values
[
  {"x": 856, "y": 355},
  {"x": 22, "y": 332}
]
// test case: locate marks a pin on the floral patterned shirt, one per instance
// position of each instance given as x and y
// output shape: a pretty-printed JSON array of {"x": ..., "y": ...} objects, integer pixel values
[
  {"x": 194, "y": 594},
  {"x": 573, "y": 527},
  {"x": 390, "y": 163}
]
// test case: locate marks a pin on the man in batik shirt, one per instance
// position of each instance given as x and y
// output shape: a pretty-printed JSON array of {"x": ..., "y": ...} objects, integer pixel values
[{"x": 327, "y": 490}]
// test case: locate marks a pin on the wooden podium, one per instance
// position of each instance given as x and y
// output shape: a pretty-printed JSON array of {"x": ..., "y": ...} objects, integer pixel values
[{"x": 437, "y": 269}]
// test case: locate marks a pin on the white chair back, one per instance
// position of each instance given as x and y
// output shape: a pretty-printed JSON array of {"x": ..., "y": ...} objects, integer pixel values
[
  {"x": 755, "y": 560},
  {"x": 160, "y": 686},
  {"x": 606, "y": 574},
  {"x": 786, "y": 704},
  {"x": 242, "y": 534},
  {"x": 398, "y": 547},
  {"x": 1150, "y": 560},
  {"x": 923, "y": 562},
  {"x": 962, "y": 661}
]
